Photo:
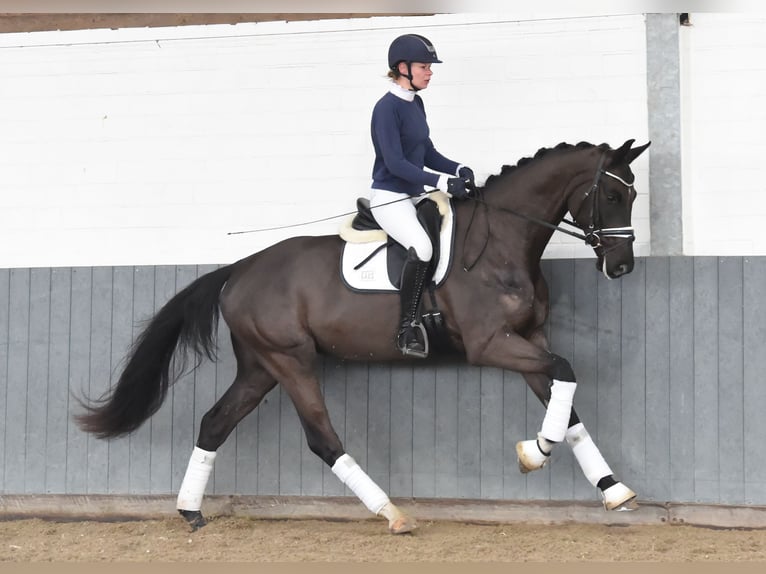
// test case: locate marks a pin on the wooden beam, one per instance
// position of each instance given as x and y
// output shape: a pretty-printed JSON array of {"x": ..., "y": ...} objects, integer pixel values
[{"x": 33, "y": 22}]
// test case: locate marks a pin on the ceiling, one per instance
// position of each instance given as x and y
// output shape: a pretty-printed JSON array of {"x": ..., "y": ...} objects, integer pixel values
[{"x": 33, "y": 22}]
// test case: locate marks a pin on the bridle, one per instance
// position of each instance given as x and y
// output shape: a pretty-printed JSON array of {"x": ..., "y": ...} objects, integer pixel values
[{"x": 592, "y": 233}]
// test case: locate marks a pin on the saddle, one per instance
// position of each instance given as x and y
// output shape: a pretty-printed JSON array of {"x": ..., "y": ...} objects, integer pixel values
[
  {"x": 371, "y": 261},
  {"x": 428, "y": 216}
]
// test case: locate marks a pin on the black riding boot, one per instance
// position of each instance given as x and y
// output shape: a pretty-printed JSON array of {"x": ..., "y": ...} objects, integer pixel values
[{"x": 411, "y": 339}]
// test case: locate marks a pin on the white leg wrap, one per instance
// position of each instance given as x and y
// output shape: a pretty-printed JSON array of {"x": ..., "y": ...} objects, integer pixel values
[
  {"x": 556, "y": 418},
  {"x": 195, "y": 480},
  {"x": 352, "y": 475},
  {"x": 587, "y": 454}
]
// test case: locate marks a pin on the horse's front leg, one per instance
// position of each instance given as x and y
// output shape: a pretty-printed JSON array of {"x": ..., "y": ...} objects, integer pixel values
[
  {"x": 552, "y": 379},
  {"x": 509, "y": 350},
  {"x": 615, "y": 495}
]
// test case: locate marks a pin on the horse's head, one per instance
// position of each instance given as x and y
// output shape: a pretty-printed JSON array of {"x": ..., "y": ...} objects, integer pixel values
[{"x": 605, "y": 213}]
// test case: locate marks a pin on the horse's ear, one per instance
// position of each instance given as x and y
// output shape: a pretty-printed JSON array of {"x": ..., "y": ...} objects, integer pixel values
[
  {"x": 624, "y": 154},
  {"x": 635, "y": 152}
]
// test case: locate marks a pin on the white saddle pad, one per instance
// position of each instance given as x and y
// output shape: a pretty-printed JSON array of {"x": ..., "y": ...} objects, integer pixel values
[{"x": 373, "y": 275}]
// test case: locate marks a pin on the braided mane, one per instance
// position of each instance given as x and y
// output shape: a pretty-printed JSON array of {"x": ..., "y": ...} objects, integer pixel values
[{"x": 508, "y": 169}]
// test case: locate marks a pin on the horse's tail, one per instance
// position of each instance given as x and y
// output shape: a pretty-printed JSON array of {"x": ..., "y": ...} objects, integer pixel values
[{"x": 187, "y": 322}]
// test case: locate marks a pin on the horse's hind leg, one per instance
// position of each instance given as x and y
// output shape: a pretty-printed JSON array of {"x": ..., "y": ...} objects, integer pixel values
[
  {"x": 303, "y": 388},
  {"x": 615, "y": 495},
  {"x": 250, "y": 385}
]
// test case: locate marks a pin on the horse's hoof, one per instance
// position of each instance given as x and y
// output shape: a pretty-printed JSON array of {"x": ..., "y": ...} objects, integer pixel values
[
  {"x": 530, "y": 456},
  {"x": 398, "y": 521},
  {"x": 620, "y": 498},
  {"x": 194, "y": 518},
  {"x": 628, "y": 506},
  {"x": 402, "y": 525}
]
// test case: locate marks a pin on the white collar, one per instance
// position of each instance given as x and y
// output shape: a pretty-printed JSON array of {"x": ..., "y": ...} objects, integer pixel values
[{"x": 400, "y": 92}]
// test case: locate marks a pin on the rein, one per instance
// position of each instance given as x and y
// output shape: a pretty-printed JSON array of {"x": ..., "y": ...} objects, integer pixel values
[{"x": 590, "y": 235}]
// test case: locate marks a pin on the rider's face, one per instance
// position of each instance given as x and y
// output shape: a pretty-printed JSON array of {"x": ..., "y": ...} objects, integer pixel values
[{"x": 421, "y": 74}]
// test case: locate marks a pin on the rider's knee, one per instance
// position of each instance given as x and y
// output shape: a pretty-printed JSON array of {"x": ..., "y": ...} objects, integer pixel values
[{"x": 424, "y": 249}]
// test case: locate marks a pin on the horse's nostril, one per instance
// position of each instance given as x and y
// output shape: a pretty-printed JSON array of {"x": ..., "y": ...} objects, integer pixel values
[{"x": 621, "y": 270}]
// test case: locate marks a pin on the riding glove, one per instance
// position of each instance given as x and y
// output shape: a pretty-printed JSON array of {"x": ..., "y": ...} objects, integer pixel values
[
  {"x": 467, "y": 174},
  {"x": 457, "y": 187}
]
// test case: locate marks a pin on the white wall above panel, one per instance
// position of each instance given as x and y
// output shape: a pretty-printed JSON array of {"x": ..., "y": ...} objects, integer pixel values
[
  {"x": 148, "y": 146},
  {"x": 724, "y": 115}
]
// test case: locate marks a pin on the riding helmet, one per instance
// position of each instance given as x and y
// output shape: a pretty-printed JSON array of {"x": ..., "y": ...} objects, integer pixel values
[{"x": 411, "y": 48}]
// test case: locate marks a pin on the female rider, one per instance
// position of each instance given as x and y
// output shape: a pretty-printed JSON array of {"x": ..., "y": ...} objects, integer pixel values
[{"x": 400, "y": 136}]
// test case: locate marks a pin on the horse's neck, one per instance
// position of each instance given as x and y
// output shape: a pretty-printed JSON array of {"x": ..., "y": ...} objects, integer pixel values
[{"x": 541, "y": 193}]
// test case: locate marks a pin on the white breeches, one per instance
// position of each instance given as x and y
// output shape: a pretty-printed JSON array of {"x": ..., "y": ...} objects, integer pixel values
[{"x": 399, "y": 219}]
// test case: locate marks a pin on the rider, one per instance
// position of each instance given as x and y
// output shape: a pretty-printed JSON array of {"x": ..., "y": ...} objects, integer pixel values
[{"x": 400, "y": 136}]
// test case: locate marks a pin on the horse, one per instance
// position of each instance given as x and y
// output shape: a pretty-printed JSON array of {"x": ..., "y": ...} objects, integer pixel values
[{"x": 286, "y": 305}]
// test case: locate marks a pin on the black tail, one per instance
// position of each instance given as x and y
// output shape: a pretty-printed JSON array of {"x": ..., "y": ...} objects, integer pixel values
[{"x": 187, "y": 322}]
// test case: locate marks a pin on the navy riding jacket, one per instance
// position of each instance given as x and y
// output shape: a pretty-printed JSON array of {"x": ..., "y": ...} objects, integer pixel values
[{"x": 400, "y": 136}]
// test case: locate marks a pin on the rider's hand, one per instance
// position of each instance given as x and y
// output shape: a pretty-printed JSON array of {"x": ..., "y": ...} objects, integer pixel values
[
  {"x": 457, "y": 188},
  {"x": 467, "y": 173}
]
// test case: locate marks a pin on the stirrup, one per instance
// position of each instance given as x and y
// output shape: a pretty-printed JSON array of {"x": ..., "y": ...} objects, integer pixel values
[{"x": 411, "y": 349}]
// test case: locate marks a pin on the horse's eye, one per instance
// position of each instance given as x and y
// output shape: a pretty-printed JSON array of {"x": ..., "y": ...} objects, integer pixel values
[{"x": 613, "y": 197}]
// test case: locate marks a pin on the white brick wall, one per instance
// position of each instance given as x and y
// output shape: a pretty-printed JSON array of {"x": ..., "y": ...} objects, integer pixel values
[
  {"x": 117, "y": 149},
  {"x": 724, "y": 148}
]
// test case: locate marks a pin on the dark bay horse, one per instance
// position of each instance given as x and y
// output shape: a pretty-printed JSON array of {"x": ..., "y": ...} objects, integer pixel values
[{"x": 287, "y": 304}]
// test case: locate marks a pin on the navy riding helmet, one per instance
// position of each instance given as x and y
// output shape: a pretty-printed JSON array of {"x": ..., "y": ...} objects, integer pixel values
[{"x": 411, "y": 48}]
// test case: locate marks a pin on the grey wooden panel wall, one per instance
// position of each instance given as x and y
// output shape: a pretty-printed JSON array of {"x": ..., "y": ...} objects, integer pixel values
[{"x": 670, "y": 364}]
